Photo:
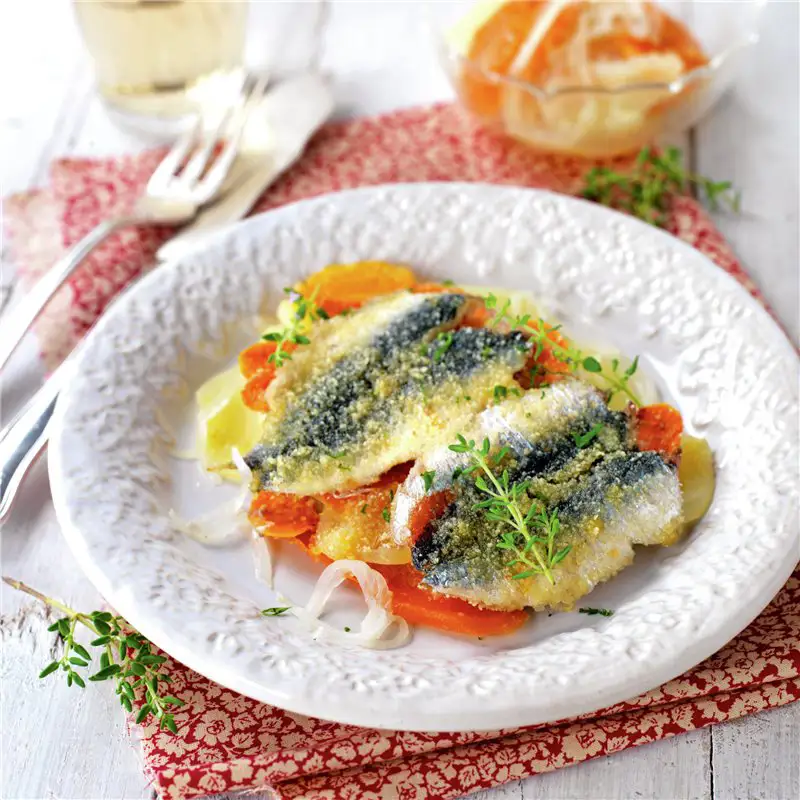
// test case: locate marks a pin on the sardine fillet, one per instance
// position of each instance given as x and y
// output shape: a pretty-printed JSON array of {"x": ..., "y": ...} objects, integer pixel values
[
  {"x": 378, "y": 388},
  {"x": 608, "y": 497}
]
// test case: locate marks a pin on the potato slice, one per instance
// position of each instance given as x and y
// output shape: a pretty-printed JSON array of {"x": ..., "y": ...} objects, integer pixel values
[
  {"x": 224, "y": 422},
  {"x": 696, "y": 473}
]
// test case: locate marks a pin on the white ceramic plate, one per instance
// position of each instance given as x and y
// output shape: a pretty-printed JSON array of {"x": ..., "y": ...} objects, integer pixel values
[{"x": 716, "y": 354}]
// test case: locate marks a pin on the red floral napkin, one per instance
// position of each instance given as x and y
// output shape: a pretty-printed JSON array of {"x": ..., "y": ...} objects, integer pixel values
[{"x": 227, "y": 742}]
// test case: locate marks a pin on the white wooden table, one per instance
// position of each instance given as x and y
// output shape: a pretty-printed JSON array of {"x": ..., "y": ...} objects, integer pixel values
[{"x": 58, "y": 743}]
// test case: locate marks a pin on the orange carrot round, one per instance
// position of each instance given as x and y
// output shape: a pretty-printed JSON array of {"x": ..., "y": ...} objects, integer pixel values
[
  {"x": 543, "y": 365},
  {"x": 434, "y": 288},
  {"x": 255, "y": 358},
  {"x": 659, "y": 428},
  {"x": 283, "y": 516},
  {"x": 420, "y": 606},
  {"x": 254, "y": 392},
  {"x": 343, "y": 286}
]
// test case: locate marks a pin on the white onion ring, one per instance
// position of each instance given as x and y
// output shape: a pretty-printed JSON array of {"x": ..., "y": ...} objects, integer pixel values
[
  {"x": 377, "y": 595},
  {"x": 262, "y": 558},
  {"x": 223, "y": 523}
]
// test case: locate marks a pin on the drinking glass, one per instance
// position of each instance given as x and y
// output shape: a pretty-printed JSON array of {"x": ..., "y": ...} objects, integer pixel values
[{"x": 155, "y": 60}]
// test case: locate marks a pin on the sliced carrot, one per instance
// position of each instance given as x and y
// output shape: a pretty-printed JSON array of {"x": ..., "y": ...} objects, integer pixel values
[
  {"x": 476, "y": 316},
  {"x": 255, "y": 390},
  {"x": 659, "y": 428},
  {"x": 420, "y": 606},
  {"x": 343, "y": 286},
  {"x": 283, "y": 516},
  {"x": 255, "y": 358},
  {"x": 429, "y": 508},
  {"x": 433, "y": 288},
  {"x": 543, "y": 365}
]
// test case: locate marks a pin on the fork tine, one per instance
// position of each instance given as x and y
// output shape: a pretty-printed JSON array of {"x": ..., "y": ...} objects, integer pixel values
[
  {"x": 219, "y": 170},
  {"x": 199, "y": 161},
  {"x": 194, "y": 169},
  {"x": 171, "y": 162}
]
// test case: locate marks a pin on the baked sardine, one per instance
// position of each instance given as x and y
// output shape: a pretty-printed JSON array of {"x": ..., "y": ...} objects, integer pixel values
[
  {"x": 376, "y": 388},
  {"x": 576, "y": 458}
]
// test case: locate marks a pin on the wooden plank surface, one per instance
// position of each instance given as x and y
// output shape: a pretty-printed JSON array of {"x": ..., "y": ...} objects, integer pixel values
[
  {"x": 752, "y": 139},
  {"x": 58, "y": 743}
]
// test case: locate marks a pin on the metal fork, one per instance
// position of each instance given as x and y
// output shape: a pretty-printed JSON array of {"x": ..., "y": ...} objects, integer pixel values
[
  {"x": 174, "y": 194},
  {"x": 189, "y": 177}
]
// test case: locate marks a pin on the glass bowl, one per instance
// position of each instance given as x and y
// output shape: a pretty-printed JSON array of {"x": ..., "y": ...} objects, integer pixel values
[{"x": 590, "y": 120}]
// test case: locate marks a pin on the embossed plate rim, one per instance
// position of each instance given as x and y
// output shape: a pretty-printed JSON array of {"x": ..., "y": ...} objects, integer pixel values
[{"x": 368, "y": 684}]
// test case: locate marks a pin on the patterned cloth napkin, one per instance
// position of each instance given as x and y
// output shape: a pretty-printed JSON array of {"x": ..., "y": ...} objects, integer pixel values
[{"x": 227, "y": 742}]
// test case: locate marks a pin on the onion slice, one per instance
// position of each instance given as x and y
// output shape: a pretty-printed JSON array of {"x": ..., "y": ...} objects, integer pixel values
[
  {"x": 223, "y": 523},
  {"x": 377, "y": 595},
  {"x": 262, "y": 558}
]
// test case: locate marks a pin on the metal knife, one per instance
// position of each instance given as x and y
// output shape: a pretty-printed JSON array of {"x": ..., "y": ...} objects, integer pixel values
[{"x": 274, "y": 138}]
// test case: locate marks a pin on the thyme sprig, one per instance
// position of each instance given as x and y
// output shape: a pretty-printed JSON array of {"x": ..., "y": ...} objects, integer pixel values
[
  {"x": 304, "y": 309},
  {"x": 584, "y": 439},
  {"x": 538, "y": 332},
  {"x": 275, "y": 611},
  {"x": 530, "y": 536},
  {"x": 124, "y": 656},
  {"x": 593, "y": 612},
  {"x": 646, "y": 191}
]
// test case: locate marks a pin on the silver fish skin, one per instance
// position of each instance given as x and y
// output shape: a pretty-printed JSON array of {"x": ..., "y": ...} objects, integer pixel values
[
  {"x": 608, "y": 497},
  {"x": 377, "y": 388}
]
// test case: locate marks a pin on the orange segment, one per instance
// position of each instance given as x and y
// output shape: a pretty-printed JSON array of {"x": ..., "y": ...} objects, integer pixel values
[
  {"x": 342, "y": 286},
  {"x": 659, "y": 428},
  {"x": 283, "y": 516}
]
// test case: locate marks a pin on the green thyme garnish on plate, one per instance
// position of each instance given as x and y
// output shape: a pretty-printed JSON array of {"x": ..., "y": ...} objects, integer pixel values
[
  {"x": 647, "y": 190},
  {"x": 303, "y": 310},
  {"x": 592, "y": 612},
  {"x": 583, "y": 439},
  {"x": 385, "y": 514},
  {"x": 500, "y": 314},
  {"x": 538, "y": 333},
  {"x": 125, "y": 657},
  {"x": 428, "y": 478},
  {"x": 576, "y": 359},
  {"x": 275, "y": 611},
  {"x": 500, "y": 392},
  {"x": 530, "y": 535},
  {"x": 443, "y": 342}
]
